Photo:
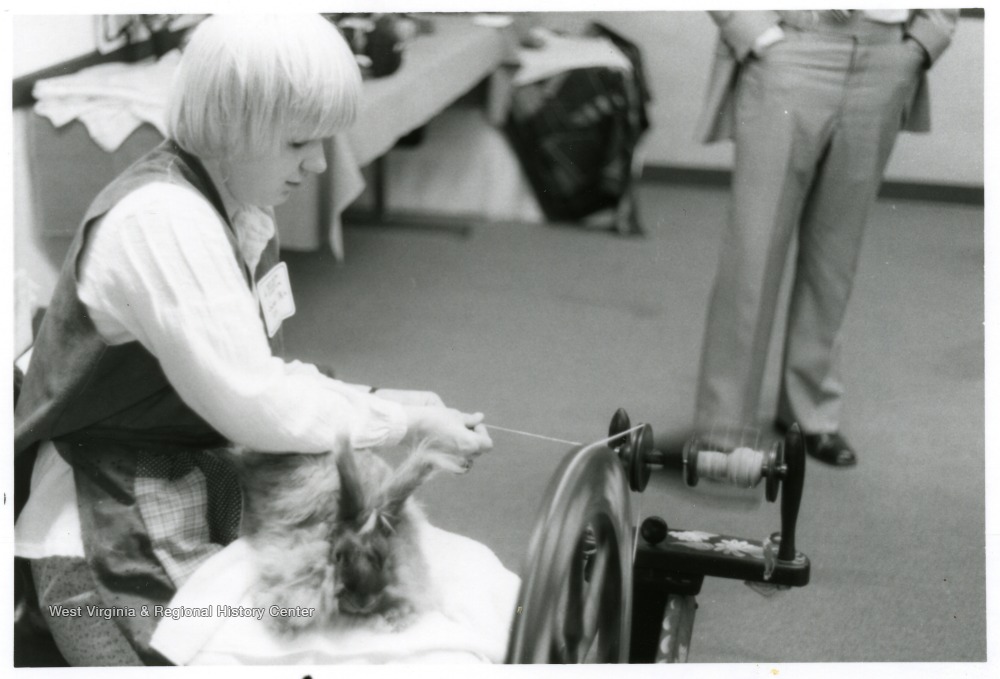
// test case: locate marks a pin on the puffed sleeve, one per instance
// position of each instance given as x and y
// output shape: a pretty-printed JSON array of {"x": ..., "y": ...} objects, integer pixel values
[{"x": 160, "y": 270}]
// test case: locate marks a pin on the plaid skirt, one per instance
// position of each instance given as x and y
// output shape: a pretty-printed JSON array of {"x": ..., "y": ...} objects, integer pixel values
[{"x": 149, "y": 519}]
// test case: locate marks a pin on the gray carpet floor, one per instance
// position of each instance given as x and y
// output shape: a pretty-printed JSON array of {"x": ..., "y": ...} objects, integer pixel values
[{"x": 550, "y": 329}]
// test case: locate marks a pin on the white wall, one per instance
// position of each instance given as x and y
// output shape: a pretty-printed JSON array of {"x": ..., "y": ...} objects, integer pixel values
[
  {"x": 37, "y": 256},
  {"x": 677, "y": 50},
  {"x": 953, "y": 151},
  {"x": 42, "y": 41}
]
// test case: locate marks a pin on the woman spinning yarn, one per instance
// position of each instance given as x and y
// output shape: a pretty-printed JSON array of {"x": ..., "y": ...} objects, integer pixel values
[{"x": 161, "y": 346}]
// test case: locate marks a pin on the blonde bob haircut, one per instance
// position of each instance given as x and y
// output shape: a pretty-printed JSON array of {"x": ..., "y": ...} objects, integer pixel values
[{"x": 247, "y": 83}]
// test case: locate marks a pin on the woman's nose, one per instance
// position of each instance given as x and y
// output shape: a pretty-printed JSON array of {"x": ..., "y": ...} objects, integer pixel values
[{"x": 315, "y": 160}]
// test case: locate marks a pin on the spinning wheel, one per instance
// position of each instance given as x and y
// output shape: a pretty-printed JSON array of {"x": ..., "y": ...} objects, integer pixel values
[
  {"x": 575, "y": 600},
  {"x": 589, "y": 595}
]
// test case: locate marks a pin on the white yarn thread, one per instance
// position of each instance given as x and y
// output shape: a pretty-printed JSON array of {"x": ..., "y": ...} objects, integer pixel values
[
  {"x": 743, "y": 467},
  {"x": 534, "y": 436},
  {"x": 555, "y": 440}
]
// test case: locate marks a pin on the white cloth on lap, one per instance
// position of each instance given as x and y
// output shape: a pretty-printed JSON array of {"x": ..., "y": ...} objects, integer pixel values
[{"x": 476, "y": 598}]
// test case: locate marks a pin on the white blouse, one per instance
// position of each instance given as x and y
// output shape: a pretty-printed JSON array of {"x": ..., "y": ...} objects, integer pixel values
[{"x": 159, "y": 269}]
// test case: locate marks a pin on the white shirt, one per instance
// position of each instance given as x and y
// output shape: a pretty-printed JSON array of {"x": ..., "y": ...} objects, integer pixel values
[{"x": 159, "y": 269}]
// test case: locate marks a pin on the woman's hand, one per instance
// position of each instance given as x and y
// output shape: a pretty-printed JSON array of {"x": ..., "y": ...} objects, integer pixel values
[
  {"x": 448, "y": 430},
  {"x": 410, "y": 397}
]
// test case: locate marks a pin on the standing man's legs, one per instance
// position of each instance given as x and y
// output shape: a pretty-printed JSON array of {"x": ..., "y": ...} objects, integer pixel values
[
  {"x": 786, "y": 108},
  {"x": 879, "y": 86}
]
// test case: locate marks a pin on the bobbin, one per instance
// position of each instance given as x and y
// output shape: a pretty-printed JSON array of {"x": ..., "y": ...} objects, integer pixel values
[{"x": 773, "y": 469}]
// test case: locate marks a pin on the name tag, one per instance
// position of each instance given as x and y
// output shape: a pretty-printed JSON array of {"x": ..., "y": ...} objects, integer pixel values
[{"x": 275, "y": 293}]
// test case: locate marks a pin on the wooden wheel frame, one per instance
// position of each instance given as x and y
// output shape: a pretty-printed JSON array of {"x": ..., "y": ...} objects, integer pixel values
[
  {"x": 577, "y": 595},
  {"x": 575, "y": 602}
]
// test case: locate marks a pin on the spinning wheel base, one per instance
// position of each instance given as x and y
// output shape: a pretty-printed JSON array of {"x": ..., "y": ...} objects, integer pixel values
[
  {"x": 587, "y": 596},
  {"x": 697, "y": 553}
]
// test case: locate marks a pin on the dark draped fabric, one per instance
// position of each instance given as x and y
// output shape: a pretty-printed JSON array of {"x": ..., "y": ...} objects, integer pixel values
[{"x": 575, "y": 135}]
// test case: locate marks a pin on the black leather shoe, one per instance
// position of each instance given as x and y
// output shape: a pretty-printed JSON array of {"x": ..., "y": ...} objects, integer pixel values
[{"x": 832, "y": 449}]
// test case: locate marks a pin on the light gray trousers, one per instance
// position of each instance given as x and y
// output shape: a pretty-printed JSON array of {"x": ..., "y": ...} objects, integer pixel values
[{"x": 816, "y": 119}]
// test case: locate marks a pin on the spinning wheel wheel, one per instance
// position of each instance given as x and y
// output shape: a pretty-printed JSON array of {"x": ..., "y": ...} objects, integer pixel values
[
  {"x": 575, "y": 600},
  {"x": 589, "y": 594}
]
